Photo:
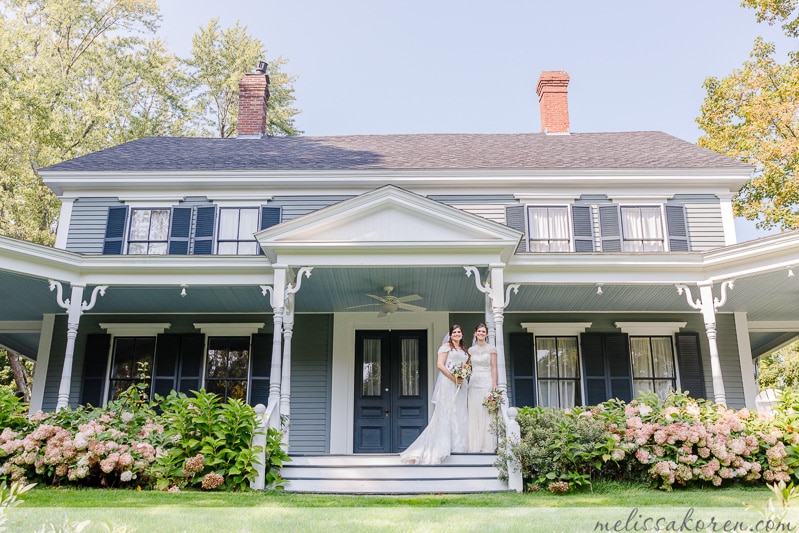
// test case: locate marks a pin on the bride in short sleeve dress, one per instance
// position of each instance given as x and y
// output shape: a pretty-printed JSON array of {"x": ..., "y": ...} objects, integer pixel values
[{"x": 447, "y": 431}]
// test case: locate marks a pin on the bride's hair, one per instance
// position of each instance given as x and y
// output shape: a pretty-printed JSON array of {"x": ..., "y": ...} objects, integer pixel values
[{"x": 452, "y": 343}]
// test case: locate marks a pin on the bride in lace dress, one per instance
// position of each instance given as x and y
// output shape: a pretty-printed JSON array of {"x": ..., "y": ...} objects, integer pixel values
[
  {"x": 482, "y": 382},
  {"x": 447, "y": 430}
]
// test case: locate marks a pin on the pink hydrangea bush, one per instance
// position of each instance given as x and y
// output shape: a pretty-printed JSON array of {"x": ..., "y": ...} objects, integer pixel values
[{"x": 684, "y": 441}]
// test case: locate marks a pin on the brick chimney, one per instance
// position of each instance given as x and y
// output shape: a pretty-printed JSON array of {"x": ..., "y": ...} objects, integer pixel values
[
  {"x": 253, "y": 96},
  {"x": 554, "y": 102}
]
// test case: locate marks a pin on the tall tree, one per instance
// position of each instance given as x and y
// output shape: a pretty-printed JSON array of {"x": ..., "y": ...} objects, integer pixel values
[
  {"x": 780, "y": 370},
  {"x": 218, "y": 59},
  {"x": 752, "y": 114},
  {"x": 76, "y": 76}
]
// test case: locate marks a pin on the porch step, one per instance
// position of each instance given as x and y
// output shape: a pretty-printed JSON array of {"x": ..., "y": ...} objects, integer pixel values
[{"x": 384, "y": 474}]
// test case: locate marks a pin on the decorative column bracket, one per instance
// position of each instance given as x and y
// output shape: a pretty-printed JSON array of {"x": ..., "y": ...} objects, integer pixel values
[
  {"x": 486, "y": 287},
  {"x": 75, "y": 306},
  {"x": 707, "y": 305},
  {"x": 293, "y": 288}
]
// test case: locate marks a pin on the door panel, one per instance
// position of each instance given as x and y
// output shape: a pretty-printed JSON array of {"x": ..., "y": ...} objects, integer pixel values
[{"x": 390, "y": 390}]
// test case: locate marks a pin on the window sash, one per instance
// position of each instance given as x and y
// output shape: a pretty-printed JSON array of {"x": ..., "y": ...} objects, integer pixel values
[
  {"x": 654, "y": 368},
  {"x": 642, "y": 229},
  {"x": 558, "y": 371},
  {"x": 549, "y": 229},
  {"x": 237, "y": 227},
  {"x": 149, "y": 232},
  {"x": 227, "y": 367},
  {"x": 128, "y": 355}
]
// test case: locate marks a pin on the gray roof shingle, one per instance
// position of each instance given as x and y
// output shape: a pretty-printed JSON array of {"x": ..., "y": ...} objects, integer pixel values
[{"x": 644, "y": 150}]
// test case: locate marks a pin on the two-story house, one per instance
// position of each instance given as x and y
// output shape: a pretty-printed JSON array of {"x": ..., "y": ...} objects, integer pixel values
[{"x": 318, "y": 275}]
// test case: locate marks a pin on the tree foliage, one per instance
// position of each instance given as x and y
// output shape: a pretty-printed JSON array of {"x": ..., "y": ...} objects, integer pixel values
[
  {"x": 218, "y": 59},
  {"x": 752, "y": 114},
  {"x": 780, "y": 370},
  {"x": 77, "y": 76}
]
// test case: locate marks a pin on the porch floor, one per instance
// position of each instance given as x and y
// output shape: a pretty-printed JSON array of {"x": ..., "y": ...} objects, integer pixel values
[{"x": 384, "y": 474}]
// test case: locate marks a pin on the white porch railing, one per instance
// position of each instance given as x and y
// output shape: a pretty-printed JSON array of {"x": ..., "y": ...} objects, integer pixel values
[{"x": 512, "y": 436}]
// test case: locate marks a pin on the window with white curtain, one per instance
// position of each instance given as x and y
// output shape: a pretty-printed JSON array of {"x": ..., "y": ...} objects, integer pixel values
[
  {"x": 557, "y": 371},
  {"x": 149, "y": 231},
  {"x": 653, "y": 365},
  {"x": 642, "y": 229},
  {"x": 549, "y": 229},
  {"x": 237, "y": 227}
]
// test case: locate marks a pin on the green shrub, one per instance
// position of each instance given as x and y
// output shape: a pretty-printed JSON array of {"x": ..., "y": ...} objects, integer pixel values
[{"x": 13, "y": 411}]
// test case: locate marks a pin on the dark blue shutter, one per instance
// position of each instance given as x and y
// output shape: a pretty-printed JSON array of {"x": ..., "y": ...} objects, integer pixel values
[
  {"x": 678, "y": 228},
  {"x": 520, "y": 349},
  {"x": 593, "y": 368},
  {"x": 617, "y": 349},
  {"x": 270, "y": 216},
  {"x": 115, "y": 230},
  {"x": 610, "y": 228},
  {"x": 689, "y": 358},
  {"x": 583, "y": 228},
  {"x": 180, "y": 230},
  {"x": 165, "y": 371},
  {"x": 514, "y": 218},
  {"x": 95, "y": 366},
  {"x": 204, "y": 230},
  {"x": 606, "y": 367},
  {"x": 261, "y": 368}
]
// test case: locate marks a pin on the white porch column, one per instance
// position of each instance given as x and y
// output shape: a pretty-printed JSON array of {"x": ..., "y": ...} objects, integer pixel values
[
  {"x": 707, "y": 304},
  {"x": 75, "y": 307},
  {"x": 498, "y": 308},
  {"x": 492, "y": 333},
  {"x": 745, "y": 356},
  {"x": 277, "y": 296},
  {"x": 285, "y": 383}
]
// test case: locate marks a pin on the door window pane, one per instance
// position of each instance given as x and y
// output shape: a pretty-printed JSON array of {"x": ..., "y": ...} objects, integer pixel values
[
  {"x": 409, "y": 367},
  {"x": 371, "y": 378}
]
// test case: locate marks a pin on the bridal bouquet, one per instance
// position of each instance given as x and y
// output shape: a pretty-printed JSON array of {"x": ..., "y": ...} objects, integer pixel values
[
  {"x": 461, "y": 370},
  {"x": 493, "y": 400}
]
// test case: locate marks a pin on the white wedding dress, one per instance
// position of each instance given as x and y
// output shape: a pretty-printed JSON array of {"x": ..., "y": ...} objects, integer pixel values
[
  {"x": 480, "y": 437},
  {"x": 447, "y": 430}
]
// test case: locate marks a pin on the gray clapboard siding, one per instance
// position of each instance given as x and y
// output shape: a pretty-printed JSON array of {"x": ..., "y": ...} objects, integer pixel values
[
  {"x": 297, "y": 206},
  {"x": 703, "y": 214},
  {"x": 489, "y": 206},
  {"x": 87, "y": 224},
  {"x": 311, "y": 359}
]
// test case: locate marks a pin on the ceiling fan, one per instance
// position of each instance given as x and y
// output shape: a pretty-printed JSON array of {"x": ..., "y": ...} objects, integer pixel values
[{"x": 389, "y": 303}]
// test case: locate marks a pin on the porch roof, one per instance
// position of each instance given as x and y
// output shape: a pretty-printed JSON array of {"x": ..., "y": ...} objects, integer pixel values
[{"x": 551, "y": 283}]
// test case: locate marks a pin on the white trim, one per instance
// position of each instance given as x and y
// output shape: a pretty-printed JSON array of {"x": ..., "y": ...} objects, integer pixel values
[
  {"x": 131, "y": 329},
  {"x": 42, "y": 363},
  {"x": 343, "y": 367},
  {"x": 650, "y": 329},
  {"x": 727, "y": 219},
  {"x": 64, "y": 218},
  {"x": 21, "y": 326},
  {"x": 556, "y": 329},
  {"x": 242, "y": 329},
  {"x": 745, "y": 357},
  {"x": 773, "y": 326}
]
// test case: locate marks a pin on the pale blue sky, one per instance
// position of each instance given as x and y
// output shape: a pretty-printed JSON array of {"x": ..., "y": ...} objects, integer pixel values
[{"x": 470, "y": 66}]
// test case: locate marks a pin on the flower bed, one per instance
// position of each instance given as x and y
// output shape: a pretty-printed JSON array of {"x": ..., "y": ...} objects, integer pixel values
[
  {"x": 676, "y": 441},
  {"x": 172, "y": 443}
]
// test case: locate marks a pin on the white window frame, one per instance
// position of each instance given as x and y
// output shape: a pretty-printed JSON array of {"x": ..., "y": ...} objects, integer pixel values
[
  {"x": 128, "y": 239},
  {"x": 238, "y": 241},
  {"x": 663, "y": 225},
  {"x": 654, "y": 329},
  {"x": 234, "y": 329}
]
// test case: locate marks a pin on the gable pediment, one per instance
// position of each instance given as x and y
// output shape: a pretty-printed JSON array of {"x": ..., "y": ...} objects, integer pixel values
[{"x": 392, "y": 220}]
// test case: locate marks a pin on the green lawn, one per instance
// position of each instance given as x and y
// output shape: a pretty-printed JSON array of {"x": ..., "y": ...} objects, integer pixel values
[{"x": 609, "y": 505}]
